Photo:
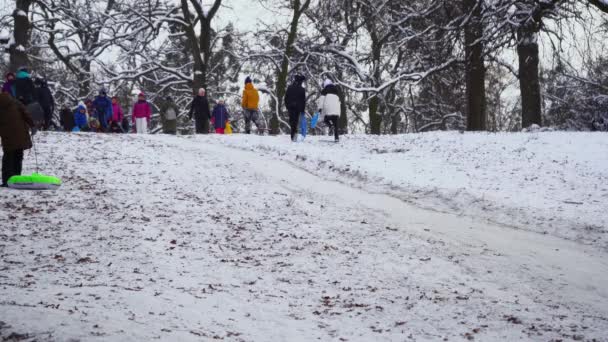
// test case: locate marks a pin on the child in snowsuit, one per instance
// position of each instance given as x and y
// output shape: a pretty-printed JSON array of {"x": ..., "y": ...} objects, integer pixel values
[
  {"x": 219, "y": 117},
  {"x": 80, "y": 118},
  {"x": 141, "y": 114}
]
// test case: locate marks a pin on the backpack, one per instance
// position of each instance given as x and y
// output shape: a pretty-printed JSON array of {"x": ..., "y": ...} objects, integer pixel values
[{"x": 170, "y": 114}]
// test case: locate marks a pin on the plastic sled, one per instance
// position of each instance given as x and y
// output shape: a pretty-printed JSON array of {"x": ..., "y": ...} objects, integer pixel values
[
  {"x": 35, "y": 181},
  {"x": 314, "y": 120},
  {"x": 303, "y": 125},
  {"x": 228, "y": 129}
]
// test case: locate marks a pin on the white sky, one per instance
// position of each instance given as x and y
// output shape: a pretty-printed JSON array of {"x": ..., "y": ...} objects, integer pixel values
[{"x": 247, "y": 14}]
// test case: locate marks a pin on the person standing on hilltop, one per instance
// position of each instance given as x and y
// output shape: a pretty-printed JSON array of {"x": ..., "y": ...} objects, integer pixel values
[
  {"x": 250, "y": 103},
  {"x": 142, "y": 113},
  {"x": 199, "y": 110}
]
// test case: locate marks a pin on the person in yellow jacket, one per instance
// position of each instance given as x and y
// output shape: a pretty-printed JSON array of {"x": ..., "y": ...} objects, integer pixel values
[{"x": 250, "y": 104}]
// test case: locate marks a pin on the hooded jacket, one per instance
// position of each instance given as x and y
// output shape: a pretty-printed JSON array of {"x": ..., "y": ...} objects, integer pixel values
[
  {"x": 15, "y": 124},
  {"x": 329, "y": 103},
  {"x": 295, "y": 97},
  {"x": 80, "y": 119},
  {"x": 251, "y": 97}
]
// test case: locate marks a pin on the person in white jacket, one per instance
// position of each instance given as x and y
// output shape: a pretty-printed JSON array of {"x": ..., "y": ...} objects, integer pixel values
[{"x": 329, "y": 106}]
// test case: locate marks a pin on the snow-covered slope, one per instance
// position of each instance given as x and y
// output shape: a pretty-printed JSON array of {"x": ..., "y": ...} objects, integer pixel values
[
  {"x": 551, "y": 182},
  {"x": 184, "y": 239}
]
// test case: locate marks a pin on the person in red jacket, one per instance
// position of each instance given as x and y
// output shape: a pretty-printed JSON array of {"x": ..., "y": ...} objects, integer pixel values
[{"x": 142, "y": 112}]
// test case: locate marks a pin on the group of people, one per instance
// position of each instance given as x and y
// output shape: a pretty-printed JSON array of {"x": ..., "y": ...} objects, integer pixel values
[
  {"x": 105, "y": 114},
  {"x": 34, "y": 94},
  {"x": 27, "y": 104},
  {"x": 329, "y": 105},
  {"x": 220, "y": 116}
]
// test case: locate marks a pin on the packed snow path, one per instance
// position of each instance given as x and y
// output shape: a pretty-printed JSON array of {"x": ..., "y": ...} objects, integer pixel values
[{"x": 184, "y": 239}]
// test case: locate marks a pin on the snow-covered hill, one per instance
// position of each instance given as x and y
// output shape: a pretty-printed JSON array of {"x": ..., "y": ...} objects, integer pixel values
[
  {"x": 550, "y": 182},
  {"x": 186, "y": 239}
]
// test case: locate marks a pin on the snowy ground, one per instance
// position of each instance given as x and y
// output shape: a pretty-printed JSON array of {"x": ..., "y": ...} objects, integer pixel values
[{"x": 185, "y": 239}]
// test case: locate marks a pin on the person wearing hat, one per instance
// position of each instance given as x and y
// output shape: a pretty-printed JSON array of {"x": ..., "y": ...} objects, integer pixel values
[
  {"x": 103, "y": 109},
  {"x": 250, "y": 104},
  {"x": 46, "y": 100},
  {"x": 295, "y": 101},
  {"x": 168, "y": 115},
  {"x": 142, "y": 112},
  {"x": 9, "y": 85},
  {"x": 15, "y": 125},
  {"x": 199, "y": 110},
  {"x": 329, "y": 106},
  {"x": 25, "y": 91}
]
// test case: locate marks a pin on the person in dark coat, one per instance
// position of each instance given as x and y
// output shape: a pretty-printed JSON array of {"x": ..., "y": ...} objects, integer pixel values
[
  {"x": 25, "y": 91},
  {"x": 295, "y": 101},
  {"x": 15, "y": 125},
  {"x": 46, "y": 101},
  {"x": 67, "y": 119},
  {"x": 200, "y": 111},
  {"x": 103, "y": 109}
]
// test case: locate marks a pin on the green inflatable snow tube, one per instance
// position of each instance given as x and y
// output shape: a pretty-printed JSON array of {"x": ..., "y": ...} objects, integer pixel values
[{"x": 35, "y": 181}]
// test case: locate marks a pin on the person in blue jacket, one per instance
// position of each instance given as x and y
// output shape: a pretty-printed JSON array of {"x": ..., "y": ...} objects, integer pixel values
[
  {"x": 80, "y": 118},
  {"x": 219, "y": 117},
  {"x": 103, "y": 108}
]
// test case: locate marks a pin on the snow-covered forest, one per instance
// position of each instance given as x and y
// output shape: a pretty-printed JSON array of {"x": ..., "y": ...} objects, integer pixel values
[{"x": 403, "y": 66}]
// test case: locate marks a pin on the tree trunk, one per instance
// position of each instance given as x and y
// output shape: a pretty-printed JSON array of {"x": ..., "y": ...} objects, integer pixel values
[
  {"x": 395, "y": 122},
  {"x": 84, "y": 79},
  {"x": 475, "y": 68},
  {"x": 343, "y": 121},
  {"x": 283, "y": 74},
  {"x": 529, "y": 83},
  {"x": 375, "y": 121},
  {"x": 18, "y": 50},
  {"x": 205, "y": 44}
]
